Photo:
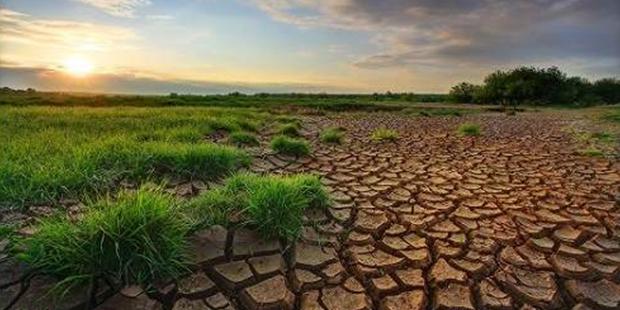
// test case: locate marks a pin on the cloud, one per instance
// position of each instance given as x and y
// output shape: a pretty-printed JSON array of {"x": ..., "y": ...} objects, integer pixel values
[
  {"x": 21, "y": 28},
  {"x": 121, "y": 8},
  {"x": 54, "y": 80},
  {"x": 466, "y": 33}
]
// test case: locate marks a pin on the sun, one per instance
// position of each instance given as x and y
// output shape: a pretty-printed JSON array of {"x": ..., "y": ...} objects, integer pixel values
[{"x": 78, "y": 66}]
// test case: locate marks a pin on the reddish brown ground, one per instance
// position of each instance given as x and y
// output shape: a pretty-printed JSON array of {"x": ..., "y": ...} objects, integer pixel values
[{"x": 512, "y": 219}]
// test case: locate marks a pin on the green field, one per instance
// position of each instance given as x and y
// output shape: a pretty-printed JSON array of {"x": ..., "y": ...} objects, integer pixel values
[{"x": 49, "y": 153}]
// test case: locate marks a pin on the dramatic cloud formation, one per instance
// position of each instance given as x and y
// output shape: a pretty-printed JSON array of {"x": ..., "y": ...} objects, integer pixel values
[
  {"x": 448, "y": 33},
  {"x": 122, "y": 8}
]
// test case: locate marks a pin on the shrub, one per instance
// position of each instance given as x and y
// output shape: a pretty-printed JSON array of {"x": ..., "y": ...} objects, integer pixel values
[
  {"x": 383, "y": 134},
  {"x": 290, "y": 129},
  {"x": 464, "y": 92},
  {"x": 243, "y": 138},
  {"x": 137, "y": 239},
  {"x": 469, "y": 129},
  {"x": 290, "y": 146},
  {"x": 273, "y": 205},
  {"x": 332, "y": 135}
]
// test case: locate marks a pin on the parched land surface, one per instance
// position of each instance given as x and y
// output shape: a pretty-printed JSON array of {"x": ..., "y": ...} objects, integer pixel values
[{"x": 511, "y": 219}]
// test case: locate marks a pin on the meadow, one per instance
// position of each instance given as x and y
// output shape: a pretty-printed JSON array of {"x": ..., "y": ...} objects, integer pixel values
[{"x": 53, "y": 153}]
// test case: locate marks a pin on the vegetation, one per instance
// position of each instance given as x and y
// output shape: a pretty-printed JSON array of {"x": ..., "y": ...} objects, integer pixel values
[
  {"x": 290, "y": 146},
  {"x": 535, "y": 86},
  {"x": 439, "y": 112},
  {"x": 332, "y": 135},
  {"x": 243, "y": 138},
  {"x": 592, "y": 152},
  {"x": 469, "y": 129},
  {"x": 273, "y": 205},
  {"x": 384, "y": 134},
  {"x": 51, "y": 153},
  {"x": 137, "y": 239},
  {"x": 289, "y": 129},
  {"x": 330, "y": 102}
]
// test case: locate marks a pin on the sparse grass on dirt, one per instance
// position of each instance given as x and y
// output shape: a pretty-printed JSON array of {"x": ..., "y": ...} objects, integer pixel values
[
  {"x": 290, "y": 146},
  {"x": 469, "y": 129},
  {"x": 332, "y": 135},
  {"x": 136, "y": 239},
  {"x": 243, "y": 139},
  {"x": 384, "y": 134},
  {"x": 52, "y": 153},
  {"x": 273, "y": 205},
  {"x": 442, "y": 112}
]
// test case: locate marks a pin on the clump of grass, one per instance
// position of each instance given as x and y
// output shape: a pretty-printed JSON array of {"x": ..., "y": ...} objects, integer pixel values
[
  {"x": 384, "y": 134},
  {"x": 243, "y": 138},
  {"x": 289, "y": 129},
  {"x": 469, "y": 129},
  {"x": 592, "y": 152},
  {"x": 137, "y": 239},
  {"x": 273, "y": 205},
  {"x": 603, "y": 136},
  {"x": 290, "y": 146},
  {"x": 332, "y": 135}
]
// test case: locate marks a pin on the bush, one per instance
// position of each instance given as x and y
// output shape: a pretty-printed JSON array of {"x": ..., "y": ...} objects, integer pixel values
[
  {"x": 469, "y": 129},
  {"x": 332, "y": 135},
  {"x": 273, "y": 205},
  {"x": 383, "y": 134},
  {"x": 290, "y": 146},
  {"x": 243, "y": 138},
  {"x": 137, "y": 239}
]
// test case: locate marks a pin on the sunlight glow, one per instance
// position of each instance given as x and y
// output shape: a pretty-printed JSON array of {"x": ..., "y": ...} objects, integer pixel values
[{"x": 78, "y": 66}]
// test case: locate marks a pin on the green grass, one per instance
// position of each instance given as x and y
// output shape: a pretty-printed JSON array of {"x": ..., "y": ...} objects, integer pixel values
[
  {"x": 592, "y": 152},
  {"x": 290, "y": 146},
  {"x": 332, "y": 135},
  {"x": 384, "y": 134},
  {"x": 603, "y": 137},
  {"x": 442, "y": 112},
  {"x": 289, "y": 129},
  {"x": 138, "y": 238},
  {"x": 243, "y": 138},
  {"x": 52, "y": 153},
  {"x": 273, "y": 205},
  {"x": 469, "y": 129},
  {"x": 612, "y": 115}
]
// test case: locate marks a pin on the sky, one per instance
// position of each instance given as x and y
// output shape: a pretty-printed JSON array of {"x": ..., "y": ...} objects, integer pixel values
[{"x": 345, "y": 46}]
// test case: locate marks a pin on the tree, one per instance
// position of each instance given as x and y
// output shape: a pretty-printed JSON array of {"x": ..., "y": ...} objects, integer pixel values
[
  {"x": 608, "y": 90},
  {"x": 463, "y": 92}
]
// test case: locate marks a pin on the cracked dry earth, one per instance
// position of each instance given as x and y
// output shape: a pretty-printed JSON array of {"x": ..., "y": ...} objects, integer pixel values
[{"x": 512, "y": 219}]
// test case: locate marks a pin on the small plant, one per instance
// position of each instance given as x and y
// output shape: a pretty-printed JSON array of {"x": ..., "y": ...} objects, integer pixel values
[
  {"x": 137, "y": 239},
  {"x": 290, "y": 146},
  {"x": 273, "y": 205},
  {"x": 332, "y": 135},
  {"x": 469, "y": 129},
  {"x": 383, "y": 134},
  {"x": 290, "y": 129},
  {"x": 243, "y": 138},
  {"x": 604, "y": 137}
]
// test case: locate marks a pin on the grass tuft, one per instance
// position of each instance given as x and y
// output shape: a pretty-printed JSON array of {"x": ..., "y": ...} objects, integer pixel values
[
  {"x": 289, "y": 129},
  {"x": 592, "y": 152},
  {"x": 243, "y": 138},
  {"x": 384, "y": 134},
  {"x": 469, "y": 129},
  {"x": 332, "y": 135},
  {"x": 137, "y": 239},
  {"x": 273, "y": 205},
  {"x": 290, "y": 146}
]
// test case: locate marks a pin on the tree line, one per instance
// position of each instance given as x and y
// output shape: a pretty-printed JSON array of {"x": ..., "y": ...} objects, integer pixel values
[{"x": 537, "y": 86}]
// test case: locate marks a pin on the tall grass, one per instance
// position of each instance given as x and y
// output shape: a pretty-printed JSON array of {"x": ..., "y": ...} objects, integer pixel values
[
  {"x": 49, "y": 153},
  {"x": 469, "y": 129},
  {"x": 137, "y": 239},
  {"x": 290, "y": 146},
  {"x": 273, "y": 205}
]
